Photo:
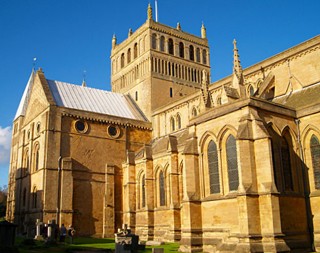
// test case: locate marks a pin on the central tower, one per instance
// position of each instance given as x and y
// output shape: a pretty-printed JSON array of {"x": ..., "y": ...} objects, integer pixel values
[{"x": 158, "y": 65}]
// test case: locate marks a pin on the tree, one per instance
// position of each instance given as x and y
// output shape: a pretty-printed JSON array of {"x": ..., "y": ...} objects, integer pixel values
[{"x": 3, "y": 200}]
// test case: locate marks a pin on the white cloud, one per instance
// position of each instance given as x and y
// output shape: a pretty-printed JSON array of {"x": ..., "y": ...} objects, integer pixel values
[{"x": 5, "y": 144}]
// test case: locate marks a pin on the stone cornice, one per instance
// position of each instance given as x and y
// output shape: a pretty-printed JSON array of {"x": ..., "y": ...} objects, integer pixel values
[
  {"x": 281, "y": 58},
  {"x": 222, "y": 110},
  {"x": 107, "y": 119}
]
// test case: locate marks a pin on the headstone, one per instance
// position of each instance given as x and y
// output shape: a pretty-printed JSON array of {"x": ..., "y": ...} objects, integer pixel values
[{"x": 38, "y": 232}]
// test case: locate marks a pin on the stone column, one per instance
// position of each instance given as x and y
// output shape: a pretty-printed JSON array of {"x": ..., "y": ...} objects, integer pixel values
[
  {"x": 129, "y": 193},
  {"x": 109, "y": 205},
  {"x": 66, "y": 197},
  {"x": 191, "y": 222}
]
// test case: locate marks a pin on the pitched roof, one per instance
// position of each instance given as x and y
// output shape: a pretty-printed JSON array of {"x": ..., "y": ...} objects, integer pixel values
[
  {"x": 21, "y": 111},
  {"x": 307, "y": 96},
  {"x": 94, "y": 100}
]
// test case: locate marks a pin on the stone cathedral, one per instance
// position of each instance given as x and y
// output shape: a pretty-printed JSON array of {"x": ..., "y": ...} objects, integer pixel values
[{"x": 229, "y": 166}]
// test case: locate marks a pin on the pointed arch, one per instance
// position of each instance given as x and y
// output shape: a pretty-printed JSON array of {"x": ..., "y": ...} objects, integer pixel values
[
  {"x": 224, "y": 132},
  {"x": 172, "y": 124},
  {"x": 162, "y": 191},
  {"x": 213, "y": 167},
  {"x": 310, "y": 138},
  {"x": 36, "y": 154},
  {"x": 315, "y": 158},
  {"x": 194, "y": 111},
  {"x": 232, "y": 163},
  {"x": 178, "y": 117},
  {"x": 26, "y": 162}
]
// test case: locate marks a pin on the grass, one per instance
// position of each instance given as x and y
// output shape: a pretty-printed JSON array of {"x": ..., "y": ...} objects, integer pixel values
[{"x": 31, "y": 246}]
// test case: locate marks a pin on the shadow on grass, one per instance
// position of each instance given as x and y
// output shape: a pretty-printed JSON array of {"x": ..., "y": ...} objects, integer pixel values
[{"x": 80, "y": 244}]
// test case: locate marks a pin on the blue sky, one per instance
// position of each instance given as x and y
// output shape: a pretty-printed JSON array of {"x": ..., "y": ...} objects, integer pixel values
[{"x": 70, "y": 36}]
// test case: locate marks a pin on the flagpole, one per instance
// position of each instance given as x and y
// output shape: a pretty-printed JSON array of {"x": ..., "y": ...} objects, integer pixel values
[{"x": 156, "y": 7}]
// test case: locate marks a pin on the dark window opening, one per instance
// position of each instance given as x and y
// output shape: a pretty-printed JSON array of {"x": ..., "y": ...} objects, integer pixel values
[
  {"x": 170, "y": 47},
  {"x": 315, "y": 156},
  {"x": 213, "y": 165},
  {"x": 191, "y": 53},
  {"x": 232, "y": 163}
]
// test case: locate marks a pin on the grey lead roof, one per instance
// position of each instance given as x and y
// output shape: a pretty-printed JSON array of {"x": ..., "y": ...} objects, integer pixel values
[{"x": 94, "y": 100}]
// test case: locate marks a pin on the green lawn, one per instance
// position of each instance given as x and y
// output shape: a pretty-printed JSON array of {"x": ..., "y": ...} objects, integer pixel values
[{"x": 80, "y": 244}]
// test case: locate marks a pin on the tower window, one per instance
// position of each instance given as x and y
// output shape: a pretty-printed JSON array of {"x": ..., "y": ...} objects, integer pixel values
[
  {"x": 162, "y": 44},
  {"x": 181, "y": 50},
  {"x": 154, "y": 41},
  {"x": 129, "y": 56},
  {"x": 135, "y": 50},
  {"x": 171, "y": 92},
  {"x": 122, "y": 60},
  {"x": 204, "y": 56},
  {"x": 170, "y": 47},
  {"x": 198, "y": 54},
  {"x": 136, "y": 95},
  {"x": 191, "y": 53}
]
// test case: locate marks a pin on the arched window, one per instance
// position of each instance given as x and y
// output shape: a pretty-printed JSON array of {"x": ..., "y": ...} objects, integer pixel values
[
  {"x": 143, "y": 191},
  {"x": 198, "y": 54},
  {"x": 232, "y": 161},
  {"x": 194, "y": 112},
  {"x": 251, "y": 90},
  {"x": 129, "y": 55},
  {"x": 36, "y": 157},
  {"x": 154, "y": 41},
  {"x": 181, "y": 50},
  {"x": 170, "y": 92},
  {"x": 172, "y": 124},
  {"x": 122, "y": 60},
  {"x": 162, "y": 41},
  {"x": 170, "y": 47},
  {"x": 162, "y": 189},
  {"x": 178, "y": 121},
  {"x": 136, "y": 95},
  {"x": 34, "y": 197},
  {"x": 213, "y": 165},
  {"x": 315, "y": 156},
  {"x": 204, "y": 56},
  {"x": 26, "y": 162},
  {"x": 135, "y": 50},
  {"x": 286, "y": 164},
  {"x": 219, "y": 100},
  {"x": 191, "y": 53}
]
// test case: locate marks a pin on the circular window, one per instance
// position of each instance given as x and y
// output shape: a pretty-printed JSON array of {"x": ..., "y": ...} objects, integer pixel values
[
  {"x": 113, "y": 131},
  {"x": 81, "y": 126}
]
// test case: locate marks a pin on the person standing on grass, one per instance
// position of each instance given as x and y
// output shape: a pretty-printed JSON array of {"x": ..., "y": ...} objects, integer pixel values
[
  {"x": 71, "y": 233},
  {"x": 63, "y": 233}
]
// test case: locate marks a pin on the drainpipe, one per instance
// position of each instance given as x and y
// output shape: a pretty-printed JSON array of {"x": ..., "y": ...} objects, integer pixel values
[
  {"x": 58, "y": 191},
  {"x": 305, "y": 187}
]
